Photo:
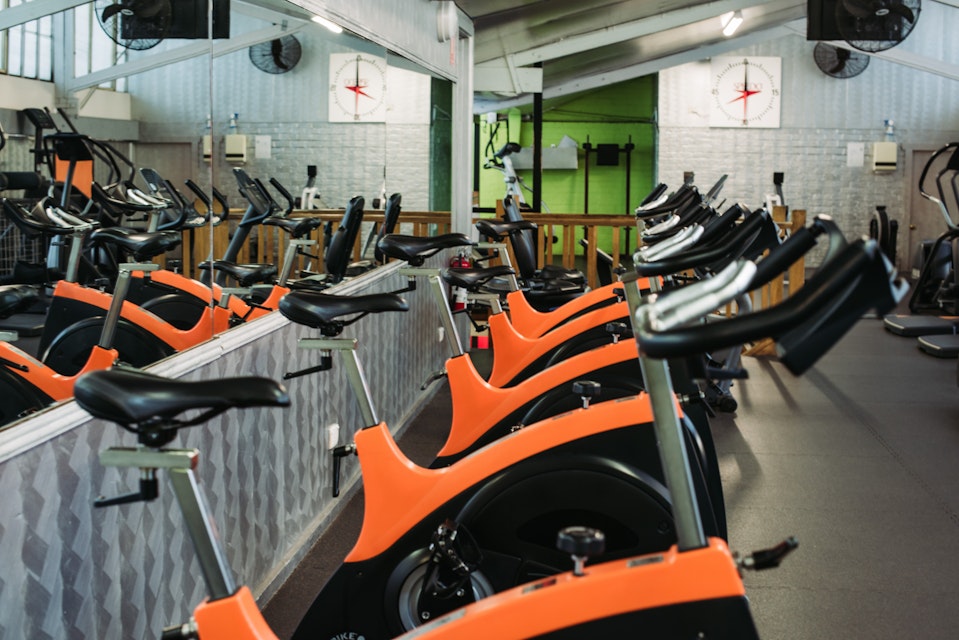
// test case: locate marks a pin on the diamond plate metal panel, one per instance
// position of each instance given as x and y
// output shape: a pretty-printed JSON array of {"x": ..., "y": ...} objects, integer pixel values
[{"x": 72, "y": 571}]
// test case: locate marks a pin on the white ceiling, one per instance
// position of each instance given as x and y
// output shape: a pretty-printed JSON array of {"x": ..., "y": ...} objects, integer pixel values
[
  {"x": 556, "y": 47},
  {"x": 582, "y": 44}
]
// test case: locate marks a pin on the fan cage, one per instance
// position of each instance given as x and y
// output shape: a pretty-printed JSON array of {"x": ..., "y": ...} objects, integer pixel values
[
  {"x": 130, "y": 31},
  {"x": 879, "y": 32},
  {"x": 828, "y": 58},
  {"x": 276, "y": 56}
]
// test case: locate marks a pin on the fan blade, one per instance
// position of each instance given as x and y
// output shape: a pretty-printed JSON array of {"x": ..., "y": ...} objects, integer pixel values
[
  {"x": 860, "y": 8},
  {"x": 276, "y": 51},
  {"x": 840, "y": 65},
  {"x": 111, "y": 11},
  {"x": 902, "y": 10}
]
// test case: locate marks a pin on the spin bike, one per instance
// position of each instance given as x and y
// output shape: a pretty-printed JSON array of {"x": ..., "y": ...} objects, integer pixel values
[
  {"x": 540, "y": 395},
  {"x": 76, "y": 313},
  {"x": 405, "y": 503},
  {"x": 688, "y": 599},
  {"x": 567, "y": 462},
  {"x": 699, "y": 592},
  {"x": 27, "y": 384}
]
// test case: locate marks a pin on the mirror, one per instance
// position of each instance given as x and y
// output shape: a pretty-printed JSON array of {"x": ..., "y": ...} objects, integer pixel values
[{"x": 288, "y": 120}]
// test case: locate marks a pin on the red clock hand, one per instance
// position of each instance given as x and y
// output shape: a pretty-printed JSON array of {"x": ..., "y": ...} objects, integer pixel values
[
  {"x": 358, "y": 90},
  {"x": 745, "y": 92}
]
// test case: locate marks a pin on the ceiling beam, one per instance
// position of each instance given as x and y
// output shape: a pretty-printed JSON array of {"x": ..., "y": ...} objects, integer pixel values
[
  {"x": 187, "y": 52},
  {"x": 628, "y": 31},
  {"x": 22, "y": 13},
  {"x": 894, "y": 54},
  {"x": 623, "y": 74},
  {"x": 270, "y": 13},
  {"x": 500, "y": 75}
]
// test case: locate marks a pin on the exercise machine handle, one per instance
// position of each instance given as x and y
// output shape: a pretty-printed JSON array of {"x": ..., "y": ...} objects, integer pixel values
[{"x": 806, "y": 324}]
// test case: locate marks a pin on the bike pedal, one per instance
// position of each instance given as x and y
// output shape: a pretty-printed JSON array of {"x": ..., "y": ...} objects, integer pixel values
[{"x": 768, "y": 558}]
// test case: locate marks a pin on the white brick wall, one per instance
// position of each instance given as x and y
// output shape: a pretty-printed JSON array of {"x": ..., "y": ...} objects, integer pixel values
[
  {"x": 820, "y": 116},
  {"x": 291, "y": 109}
]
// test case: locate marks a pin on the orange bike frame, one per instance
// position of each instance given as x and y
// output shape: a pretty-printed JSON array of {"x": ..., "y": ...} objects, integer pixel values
[
  {"x": 234, "y": 618},
  {"x": 532, "y": 323},
  {"x": 398, "y": 494},
  {"x": 214, "y": 322},
  {"x": 54, "y": 385},
  {"x": 477, "y": 405},
  {"x": 609, "y": 589}
]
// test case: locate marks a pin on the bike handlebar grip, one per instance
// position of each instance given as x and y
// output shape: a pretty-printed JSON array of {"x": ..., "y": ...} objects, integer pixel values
[
  {"x": 506, "y": 149},
  {"x": 796, "y": 246},
  {"x": 734, "y": 279},
  {"x": 805, "y": 325},
  {"x": 734, "y": 244},
  {"x": 283, "y": 192}
]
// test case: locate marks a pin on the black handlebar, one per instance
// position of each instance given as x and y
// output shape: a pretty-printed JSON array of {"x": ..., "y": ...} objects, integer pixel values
[
  {"x": 260, "y": 206},
  {"x": 733, "y": 245},
  {"x": 806, "y": 324},
  {"x": 507, "y": 149},
  {"x": 286, "y": 195}
]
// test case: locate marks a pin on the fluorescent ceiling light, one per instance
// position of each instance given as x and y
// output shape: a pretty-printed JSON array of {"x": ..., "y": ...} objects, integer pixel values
[
  {"x": 332, "y": 26},
  {"x": 731, "y": 22}
]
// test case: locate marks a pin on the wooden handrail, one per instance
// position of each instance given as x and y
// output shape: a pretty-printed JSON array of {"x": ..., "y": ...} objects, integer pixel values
[{"x": 270, "y": 246}]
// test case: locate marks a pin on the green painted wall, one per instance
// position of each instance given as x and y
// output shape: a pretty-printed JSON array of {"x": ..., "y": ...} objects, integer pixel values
[{"x": 613, "y": 115}]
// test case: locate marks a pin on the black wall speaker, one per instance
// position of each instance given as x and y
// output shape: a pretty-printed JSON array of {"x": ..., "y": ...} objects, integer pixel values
[
  {"x": 821, "y": 20},
  {"x": 188, "y": 20}
]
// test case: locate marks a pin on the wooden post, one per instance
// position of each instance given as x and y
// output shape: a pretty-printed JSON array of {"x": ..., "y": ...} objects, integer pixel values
[
  {"x": 776, "y": 291},
  {"x": 592, "y": 275}
]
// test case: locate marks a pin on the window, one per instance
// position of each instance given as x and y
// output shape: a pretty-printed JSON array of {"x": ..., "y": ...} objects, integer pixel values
[
  {"x": 26, "y": 50},
  {"x": 94, "y": 49}
]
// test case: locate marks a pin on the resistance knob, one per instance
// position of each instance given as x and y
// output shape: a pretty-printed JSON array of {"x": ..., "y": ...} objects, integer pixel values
[
  {"x": 587, "y": 389},
  {"x": 582, "y": 543}
]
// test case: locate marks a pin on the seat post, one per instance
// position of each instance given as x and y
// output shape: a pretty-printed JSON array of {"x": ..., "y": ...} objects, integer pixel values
[
  {"x": 112, "y": 319},
  {"x": 219, "y": 577},
  {"x": 443, "y": 304},
  {"x": 181, "y": 463},
  {"x": 354, "y": 372},
  {"x": 292, "y": 250},
  {"x": 690, "y": 533}
]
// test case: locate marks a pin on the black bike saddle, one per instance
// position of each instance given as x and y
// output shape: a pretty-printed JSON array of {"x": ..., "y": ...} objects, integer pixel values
[
  {"x": 415, "y": 249},
  {"x": 144, "y": 402},
  {"x": 499, "y": 229},
  {"x": 323, "y": 310},
  {"x": 296, "y": 227},
  {"x": 15, "y": 298},
  {"x": 473, "y": 278}
]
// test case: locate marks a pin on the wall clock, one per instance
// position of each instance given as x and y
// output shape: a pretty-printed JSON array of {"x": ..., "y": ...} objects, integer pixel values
[
  {"x": 745, "y": 92},
  {"x": 357, "y": 88}
]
